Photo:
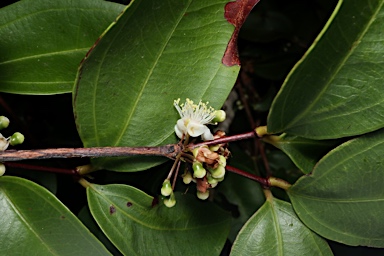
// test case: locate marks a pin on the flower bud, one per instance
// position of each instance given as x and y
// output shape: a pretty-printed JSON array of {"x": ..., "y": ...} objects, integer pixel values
[
  {"x": 219, "y": 116},
  {"x": 222, "y": 161},
  {"x": 170, "y": 202},
  {"x": 203, "y": 195},
  {"x": 2, "y": 169},
  {"x": 211, "y": 180},
  {"x": 218, "y": 173},
  {"x": 187, "y": 178},
  {"x": 166, "y": 189},
  {"x": 214, "y": 147},
  {"x": 4, "y": 122},
  {"x": 198, "y": 170},
  {"x": 16, "y": 138}
]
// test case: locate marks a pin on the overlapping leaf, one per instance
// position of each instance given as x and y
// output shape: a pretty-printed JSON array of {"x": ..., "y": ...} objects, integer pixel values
[
  {"x": 157, "y": 51},
  {"x": 275, "y": 230},
  {"x": 136, "y": 226},
  {"x": 303, "y": 152},
  {"x": 343, "y": 198},
  {"x": 337, "y": 90},
  {"x": 34, "y": 221},
  {"x": 43, "y": 42}
]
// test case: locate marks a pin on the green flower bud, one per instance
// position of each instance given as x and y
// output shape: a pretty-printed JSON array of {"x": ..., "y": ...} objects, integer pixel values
[
  {"x": 211, "y": 180},
  {"x": 203, "y": 196},
  {"x": 214, "y": 148},
  {"x": 170, "y": 202},
  {"x": 2, "y": 169},
  {"x": 16, "y": 138},
  {"x": 198, "y": 170},
  {"x": 4, "y": 122},
  {"x": 218, "y": 173},
  {"x": 166, "y": 189},
  {"x": 187, "y": 178},
  {"x": 219, "y": 116},
  {"x": 220, "y": 179},
  {"x": 222, "y": 160}
]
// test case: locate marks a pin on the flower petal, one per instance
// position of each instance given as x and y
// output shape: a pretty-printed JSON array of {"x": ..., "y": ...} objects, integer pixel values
[
  {"x": 178, "y": 132},
  {"x": 207, "y": 135},
  {"x": 196, "y": 129}
]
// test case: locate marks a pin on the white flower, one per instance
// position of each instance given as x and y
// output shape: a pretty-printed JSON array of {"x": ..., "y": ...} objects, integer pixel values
[{"x": 194, "y": 119}]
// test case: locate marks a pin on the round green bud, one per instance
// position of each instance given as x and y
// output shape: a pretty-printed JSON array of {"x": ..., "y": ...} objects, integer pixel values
[
  {"x": 166, "y": 189},
  {"x": 170, "y": 202},
  {"x": 2, "y": 169},
  {"x": 220, "y": 179},
  {"x": 203, "y": 196},
  {"x": 214, "y": 148},
  {"x": 198, "y": 170},
  {"x": 187, "y": 178},
  {"x": 4, "y": 122},
  {"x": 219, "y": 116},
  {"x": 211, "y": 180},
  {"x": 222, "y": 160},
  {"x": 218, "y": 173},
  {"x": 16, "y": 138}
]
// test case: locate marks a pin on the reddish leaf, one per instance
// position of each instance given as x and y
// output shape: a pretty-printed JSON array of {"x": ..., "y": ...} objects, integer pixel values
[{"x": 236, "y": 13}]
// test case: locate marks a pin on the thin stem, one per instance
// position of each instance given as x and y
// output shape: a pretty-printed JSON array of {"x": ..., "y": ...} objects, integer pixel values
[
  {"x": 42, "y": 168},
  {"x": 227, "y": 139},
  {"x": 174, "y": 165},
  {"x": 175, "y": 176},
  {"x": 264, "y": 182},
  {"x": 170, "y": 151}
]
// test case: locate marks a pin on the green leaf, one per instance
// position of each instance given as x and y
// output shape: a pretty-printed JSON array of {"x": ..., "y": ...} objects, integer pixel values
[
  {"x": 305, "y": 153},
  {"x": 158, "y": 51},
  {"x": 243, "y": 193},
  {"x": 135, "y": 227},
  {"x": 43, "y": 42},
  {"x": 342, "y": 199},
  {"x": 336, "y": 90},
  {"x": 276, "y": 230},
  {"x": 34, "y": 221}
]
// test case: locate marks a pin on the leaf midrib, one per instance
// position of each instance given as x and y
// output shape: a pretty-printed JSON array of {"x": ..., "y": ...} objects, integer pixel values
[{"x": 340, "y": 66}]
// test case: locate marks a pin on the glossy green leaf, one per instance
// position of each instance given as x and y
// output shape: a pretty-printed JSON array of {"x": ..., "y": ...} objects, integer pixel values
[
  {"x": 337, "y": 88},
  {"x": 342, "y": 199},
  {"x": 135, "y": 227},
  {"x": 34, "y": 221},
  {"x": 43, "y": 42},
  {"x": 305, "y": 153},
  {"x": 158, "y": 51},
  {"x": 276, "y": 230}
]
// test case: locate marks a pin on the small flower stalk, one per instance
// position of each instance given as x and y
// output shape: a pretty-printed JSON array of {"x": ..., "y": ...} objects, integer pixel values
[{"x": 15, "y": 139}]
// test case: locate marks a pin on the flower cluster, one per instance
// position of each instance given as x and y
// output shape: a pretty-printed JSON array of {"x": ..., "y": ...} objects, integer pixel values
[
  {"x": 208, "y": 168},
  {"x": 204, "y": 165},
  {"x": 15, "y": 139}
]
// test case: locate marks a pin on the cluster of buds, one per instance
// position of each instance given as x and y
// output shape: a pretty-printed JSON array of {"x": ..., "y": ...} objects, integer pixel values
[
  {"x": 15, "y": 139},
  {"x": 208, "y": 163},
  {"x": 208, "y": 167}
]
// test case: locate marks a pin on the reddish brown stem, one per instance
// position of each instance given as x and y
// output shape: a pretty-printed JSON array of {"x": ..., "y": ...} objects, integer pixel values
[
  {"x": 263, "y": 181},
  {"x": 237, "y": 137},
  {"x": 42, "y": 168},
  {"x": 169, "y": 151}
]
